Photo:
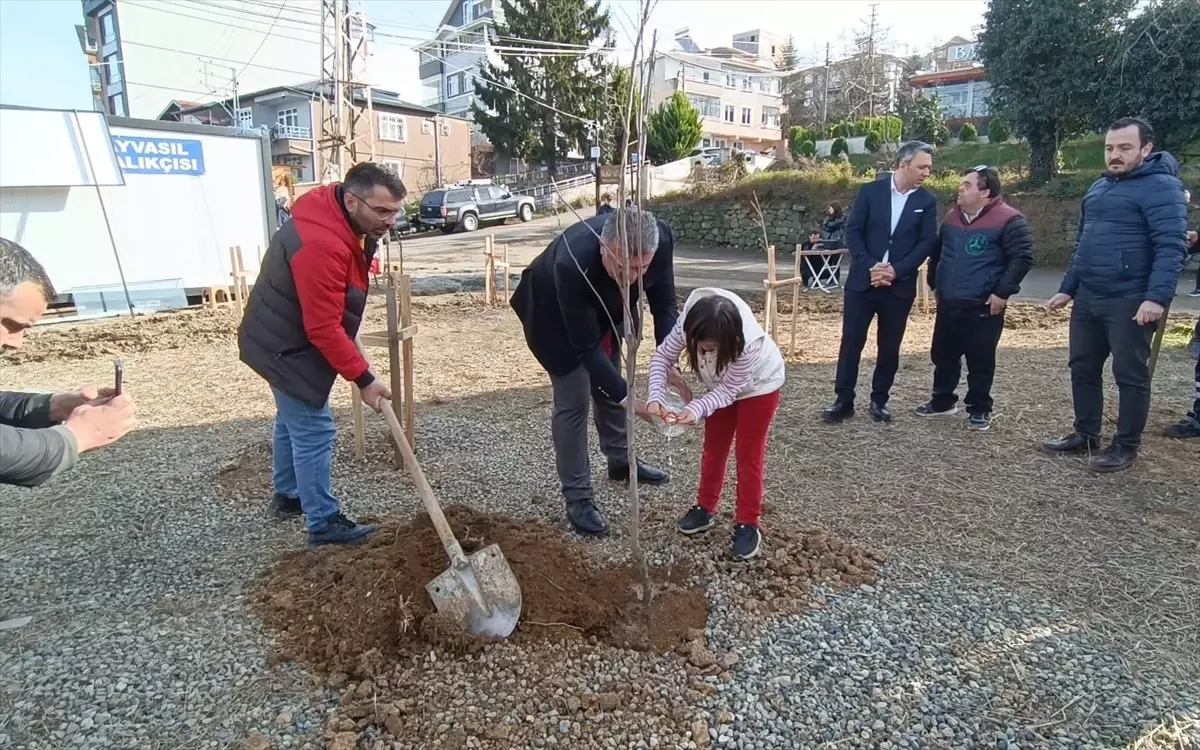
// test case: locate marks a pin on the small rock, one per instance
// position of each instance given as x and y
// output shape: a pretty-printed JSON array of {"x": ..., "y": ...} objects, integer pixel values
[
  {"x": 256, "y": 741},
  {"x": 343, "y": 741},
  {"x": 700, "y": 733},
  {"x": 699, "y": 656},
  {"x": 283, "y": 719}
]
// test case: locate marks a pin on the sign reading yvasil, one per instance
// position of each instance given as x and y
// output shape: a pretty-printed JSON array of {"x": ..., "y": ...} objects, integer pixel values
[{"x": 138, "y": 155}]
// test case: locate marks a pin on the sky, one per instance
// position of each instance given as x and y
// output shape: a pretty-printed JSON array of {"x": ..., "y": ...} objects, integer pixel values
[{"x": 40, "y": 35}]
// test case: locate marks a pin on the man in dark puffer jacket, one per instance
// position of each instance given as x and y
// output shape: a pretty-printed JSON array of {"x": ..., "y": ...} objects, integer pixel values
[
  {"x": 984, "y": 251},
  {"x": 299, "y": 334},
  {"x": 1128, "y": 254}
]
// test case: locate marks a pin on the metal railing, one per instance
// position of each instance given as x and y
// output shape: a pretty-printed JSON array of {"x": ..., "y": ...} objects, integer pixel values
[{"x": 291, "y": 131}]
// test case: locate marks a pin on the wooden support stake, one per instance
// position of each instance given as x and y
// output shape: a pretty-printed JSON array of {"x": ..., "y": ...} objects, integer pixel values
[
  {"x": 797, "y": 274},
  {"x": 233, "y": 274},
  {"x": 356, "y": 409},
  {"x": 772, "y": 312},
  {"x": 1159, "y": 331},
  {"x": 923, "y": 283},
  {"x": 410, "y": 430},
  {"x": 489, "y": 271},
  {"x": 393, "y": 325},
  {"x": 506, "y": 274}
]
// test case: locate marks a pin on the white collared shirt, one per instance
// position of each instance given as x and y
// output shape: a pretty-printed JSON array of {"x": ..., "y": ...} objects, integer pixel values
[{"x": 899, "y": 200}]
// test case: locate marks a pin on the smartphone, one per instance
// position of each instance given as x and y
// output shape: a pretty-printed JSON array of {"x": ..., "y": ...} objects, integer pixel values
[{"x": 119, "y": 376}]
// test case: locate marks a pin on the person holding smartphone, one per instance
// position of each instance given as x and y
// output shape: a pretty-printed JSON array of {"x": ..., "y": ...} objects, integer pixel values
[{"x": 42, "y": 434}]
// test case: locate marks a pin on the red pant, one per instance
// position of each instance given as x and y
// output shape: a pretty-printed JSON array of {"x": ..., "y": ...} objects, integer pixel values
[{"x": 749, "y": 420}]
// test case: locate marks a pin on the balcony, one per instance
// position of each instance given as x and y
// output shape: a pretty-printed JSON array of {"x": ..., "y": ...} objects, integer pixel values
[{"x": 283, "y": 132}]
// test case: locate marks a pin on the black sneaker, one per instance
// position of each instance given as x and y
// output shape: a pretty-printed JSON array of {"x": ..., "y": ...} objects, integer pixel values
[
  {"x": 1116, "y": 458},
  {"x": 927, "y": 409},
  {"x": 285, "y": 507},
  {"x": 1194, "y": 293},
  {"x": 880, "y": 413},
  {"x": 695, "y": 521},
  {"x": 1184, "y": 430},
  {"x": 746, "y": 541},
  {"x": 340, "y": 530},
  {"x": 1071, "y": 445},
  {"x": 981, "y": 422}
]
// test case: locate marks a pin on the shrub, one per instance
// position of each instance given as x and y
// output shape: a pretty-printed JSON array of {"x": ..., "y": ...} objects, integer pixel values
[
  {"x": 874, "y": 142},
  {"x": 999, "y": 131},
  {"x": 941, "y": 134},
  {"x": 839, "y": 147},
  {"x": 796, "y": 136},
  {"x": 967, "y": 133},
  {"x": 808, "y": 148},
  {"x": 841, "y": 130}
]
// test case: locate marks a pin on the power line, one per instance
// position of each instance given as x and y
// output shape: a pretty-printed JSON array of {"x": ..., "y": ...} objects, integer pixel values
[
  {"x": 266, "y": 36},
  {"x": 222, "y": 59}
]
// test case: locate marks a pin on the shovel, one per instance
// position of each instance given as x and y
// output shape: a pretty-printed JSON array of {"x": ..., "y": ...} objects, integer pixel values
[{"x": 479, "y": 592}]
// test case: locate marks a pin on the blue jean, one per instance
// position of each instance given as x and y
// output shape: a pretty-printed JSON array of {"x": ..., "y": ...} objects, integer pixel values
[{"x": 302, "y": 454}]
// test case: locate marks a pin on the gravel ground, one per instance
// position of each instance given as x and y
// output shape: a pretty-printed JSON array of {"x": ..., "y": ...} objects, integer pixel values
[{"x": 1025, "y": 604}]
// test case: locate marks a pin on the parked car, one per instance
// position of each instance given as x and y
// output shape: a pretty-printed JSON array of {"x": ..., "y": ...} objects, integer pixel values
[
  {"x": 709, "y": 157},
  {"x": 465, "y": 207},
  {"x": 402, "y": 226}
]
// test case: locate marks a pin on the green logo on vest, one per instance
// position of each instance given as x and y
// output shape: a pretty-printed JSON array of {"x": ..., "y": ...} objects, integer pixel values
[{"x": 976, "y": 244}]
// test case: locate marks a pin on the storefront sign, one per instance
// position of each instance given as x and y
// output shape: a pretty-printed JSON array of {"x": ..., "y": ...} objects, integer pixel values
[{"x": 138, "y": 155}]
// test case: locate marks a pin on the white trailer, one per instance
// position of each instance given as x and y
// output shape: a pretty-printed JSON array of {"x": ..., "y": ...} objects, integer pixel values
[{"x": 128, "y": 213}]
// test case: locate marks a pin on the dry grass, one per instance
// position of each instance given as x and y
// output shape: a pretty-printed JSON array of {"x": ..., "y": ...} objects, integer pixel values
[{"x": 1118, "y": 552}]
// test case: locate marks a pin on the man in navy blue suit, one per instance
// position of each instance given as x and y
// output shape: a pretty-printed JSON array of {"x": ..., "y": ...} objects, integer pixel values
[{"x": 891, "y": 231}]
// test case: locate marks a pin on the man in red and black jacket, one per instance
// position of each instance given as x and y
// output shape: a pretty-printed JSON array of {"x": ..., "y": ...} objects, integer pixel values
[{"x": 299, "y": 333}]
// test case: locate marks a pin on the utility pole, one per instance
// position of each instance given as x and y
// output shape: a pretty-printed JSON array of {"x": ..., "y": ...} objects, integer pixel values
[
  {"x": 237, "y": 104},
  {"x": 825, "y": 95},
  {"x": 347, "y": 126}
]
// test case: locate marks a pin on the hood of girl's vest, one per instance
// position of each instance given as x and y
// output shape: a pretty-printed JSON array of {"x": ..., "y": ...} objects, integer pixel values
[
  {"x": 751, "y": 330},
  {"x": 321, "y": 209}
]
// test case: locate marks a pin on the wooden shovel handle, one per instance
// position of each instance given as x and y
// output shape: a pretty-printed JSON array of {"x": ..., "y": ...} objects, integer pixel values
[{"x": 453, "y": 548}]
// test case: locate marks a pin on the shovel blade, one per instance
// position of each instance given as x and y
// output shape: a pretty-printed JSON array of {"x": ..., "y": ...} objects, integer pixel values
[{"x": 483, "y": 594}]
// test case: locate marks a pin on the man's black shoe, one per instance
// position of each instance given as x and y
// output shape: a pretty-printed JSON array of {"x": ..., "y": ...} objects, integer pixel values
[
  {"x": 1188, "y": 428},
  {"x": 285, "y": 507},
  {"x": 585, "y": 517},
  {"x": 1071, "y": 445},
  {"x": 838, "y": 412},
  {"x": 647, "y": 474},
  {"x": 1116, "y": 458},
  {"x": 880, "y": 413},
  {"x": 746, "y": 541},
  {"x": 695, "y": 521},
  {"x": 340, "y": 530}
]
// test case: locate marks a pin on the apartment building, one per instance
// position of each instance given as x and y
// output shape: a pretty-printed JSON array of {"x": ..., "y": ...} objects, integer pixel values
[
  {"x": 450, "y": 60},
  {"x": 416, "y": 142},
  {"x": 766, "y": 46},
  {"x": 737, "y": 93}
]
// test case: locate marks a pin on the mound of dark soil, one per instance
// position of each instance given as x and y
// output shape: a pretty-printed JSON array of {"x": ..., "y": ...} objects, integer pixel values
[{"x": 336, "y": 607}]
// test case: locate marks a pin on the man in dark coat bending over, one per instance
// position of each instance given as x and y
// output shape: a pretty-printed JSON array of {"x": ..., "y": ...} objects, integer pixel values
[{"x": 569, "y": 303}]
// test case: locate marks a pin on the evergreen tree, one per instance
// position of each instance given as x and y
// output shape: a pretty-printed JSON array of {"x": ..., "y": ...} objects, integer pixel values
[
  {"x": 672, "y": 130},
  {"x": 526, "y": 125}
]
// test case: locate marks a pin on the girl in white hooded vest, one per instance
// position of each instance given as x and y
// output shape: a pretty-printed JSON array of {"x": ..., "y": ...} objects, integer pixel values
[{"x": 743, "y": 370}]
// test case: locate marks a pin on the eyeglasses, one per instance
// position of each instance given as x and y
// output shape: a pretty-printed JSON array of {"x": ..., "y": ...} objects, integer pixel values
[{"x": 380, "y": 211}]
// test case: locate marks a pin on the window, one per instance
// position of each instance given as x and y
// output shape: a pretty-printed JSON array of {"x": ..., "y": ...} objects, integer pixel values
[
  {"x": 747, "y": 116},
  {"x": 707, "y": 106},
  {"x": 730, "y": 113},
  {"x": 108, "y": 27},
  {"x": 719, "y": 143},
  {"x": 739, "y": 145},
  {"x": 692, "y": 73},
  {"x": 112, "y": 69},
  {"x": 393, "y": 128},
  {"x": 748, "y": 83},
  {"x": 245, "y": 117},
  {"x": 453, "y": 85},
  {"x": 116, "y": 105},
  {"x": 426, "y": 127},
  {"x": 395, "y": 166},
  {"x": 770, "y": 117},
  {"x": 766, "y": 84},
  {"x": 777, "y": 86},
  {"x": 290, "y": 117},
  {"x": 459, "y": 196},
  {"x": 706, "y": 142},
  {"x": 731, "y": 80}
]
